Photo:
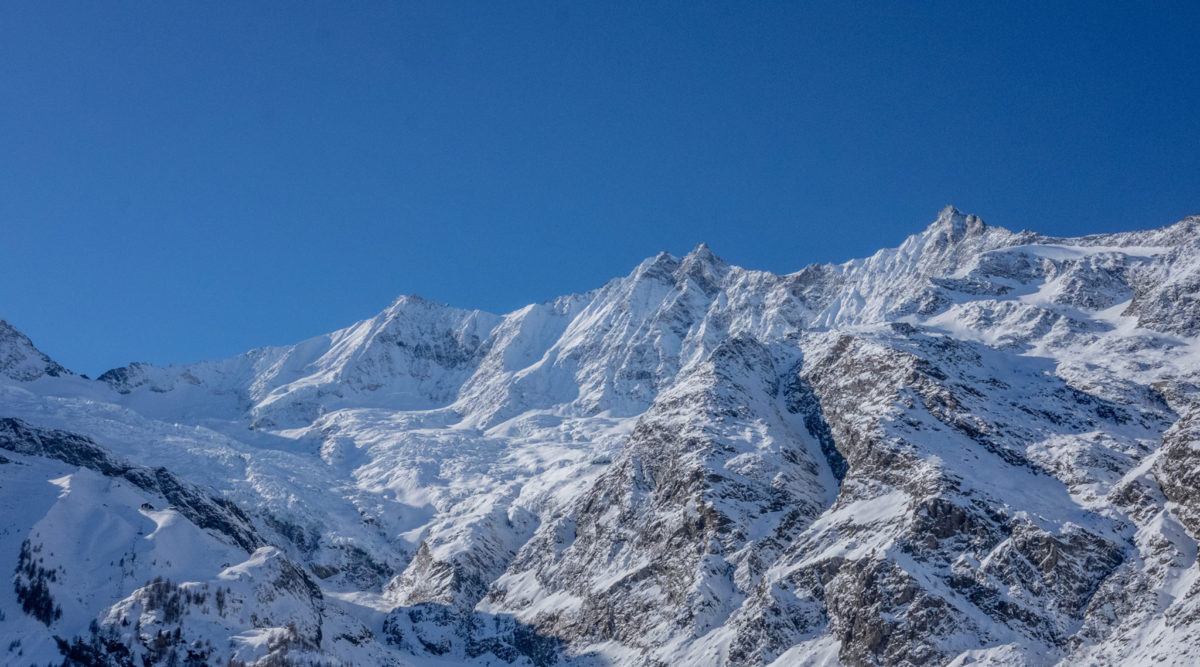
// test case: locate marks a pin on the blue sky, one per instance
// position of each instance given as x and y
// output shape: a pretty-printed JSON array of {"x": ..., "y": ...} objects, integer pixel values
[{"x": 184, "y": 180}]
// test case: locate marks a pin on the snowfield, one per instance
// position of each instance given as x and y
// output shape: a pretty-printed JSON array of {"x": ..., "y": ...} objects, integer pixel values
[{"x": 980, "y": 447}]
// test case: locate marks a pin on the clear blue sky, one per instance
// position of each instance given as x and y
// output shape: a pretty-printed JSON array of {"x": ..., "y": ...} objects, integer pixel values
[{"x": 186, "y": 180}]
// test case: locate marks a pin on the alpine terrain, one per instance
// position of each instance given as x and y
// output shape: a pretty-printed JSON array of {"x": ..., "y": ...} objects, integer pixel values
[{"x": 980, "y": 447}]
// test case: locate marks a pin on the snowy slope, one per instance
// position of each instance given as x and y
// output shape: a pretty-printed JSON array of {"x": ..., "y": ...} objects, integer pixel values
[{"x": 980, "y": 446}]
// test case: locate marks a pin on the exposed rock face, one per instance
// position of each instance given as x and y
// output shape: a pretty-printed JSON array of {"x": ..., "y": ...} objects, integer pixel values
[
  {"x": 1178, "y": 468},
  {"x": 20, "y": 360},
  {"x": 980, "y": 446},
  {"x": 1166, "y": 294},
  {"x": 713, "y": 483}
]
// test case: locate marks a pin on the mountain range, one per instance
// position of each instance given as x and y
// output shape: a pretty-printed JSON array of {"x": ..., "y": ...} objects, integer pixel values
[{"x": 981, "y": 447}]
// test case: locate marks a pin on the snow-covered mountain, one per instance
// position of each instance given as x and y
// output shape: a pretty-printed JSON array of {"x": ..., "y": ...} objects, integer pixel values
[{"x": 981, "y": 447}]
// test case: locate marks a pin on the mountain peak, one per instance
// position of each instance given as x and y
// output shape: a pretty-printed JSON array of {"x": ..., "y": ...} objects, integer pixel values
[
  {"x": 953, "y": 225},
  {"x": 412, "y": 300},
  {"x": 704, "y": 267},
  {"x": 21, "y": 360},
  {"x": 660, "y": 266},
  {"x": 950, "y": 211},
  {"x": 412, "y": 303},
  {"x": 704, "y": 255}
]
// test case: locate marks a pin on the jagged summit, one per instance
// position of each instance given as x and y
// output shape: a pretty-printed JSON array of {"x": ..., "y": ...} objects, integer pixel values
[
  {"x": 953, "y": 227},
  {"x": 660, "y": 265},
  {"x": 703, "y": 253},
  {"x": 955, "y": 224},
  {"x": 21, "y": 360},
  {"x": 406, "y": 302}
]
